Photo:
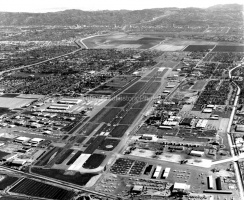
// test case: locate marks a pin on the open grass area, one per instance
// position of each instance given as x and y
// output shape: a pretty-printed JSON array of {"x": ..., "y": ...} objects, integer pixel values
[
  {"x": 130, "y": 116},
  {"x": 117, "y": 103},
  {"x": 76, "y": 178},
  {"x": 94, "y": 161},
  {"x": 119, "y": 131}
]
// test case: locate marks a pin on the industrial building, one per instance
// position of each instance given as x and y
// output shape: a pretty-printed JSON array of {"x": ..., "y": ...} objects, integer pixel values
[{"x": 180, "y": 187}]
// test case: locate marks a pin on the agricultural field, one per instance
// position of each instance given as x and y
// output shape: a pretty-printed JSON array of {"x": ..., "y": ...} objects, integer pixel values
[
  {"x": 119, "y": 131},
  {"x": 198, "y": 48},
  {"x": 7, "y": 181},
  {"x": 34, "y": 188},
  {"x": 222, "y": 48},
  {"x": 94, "y": 161},
  {"x": 168, "y": 47},
  {"x": 123, "y": 41}
]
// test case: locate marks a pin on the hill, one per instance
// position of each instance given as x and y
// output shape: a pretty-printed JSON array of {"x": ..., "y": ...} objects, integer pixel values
[{"x": 124, "y": 17}]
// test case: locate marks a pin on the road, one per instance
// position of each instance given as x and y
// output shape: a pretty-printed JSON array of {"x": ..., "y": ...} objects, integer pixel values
[{"x": 231, "y": 142}]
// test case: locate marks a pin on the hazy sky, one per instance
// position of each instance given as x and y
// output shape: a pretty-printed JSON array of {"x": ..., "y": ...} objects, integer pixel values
[{"x": 57, "y": 5}]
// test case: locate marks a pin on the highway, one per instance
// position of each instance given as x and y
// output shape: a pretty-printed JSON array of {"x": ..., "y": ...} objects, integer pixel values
[{"x": 231, "y": 142}]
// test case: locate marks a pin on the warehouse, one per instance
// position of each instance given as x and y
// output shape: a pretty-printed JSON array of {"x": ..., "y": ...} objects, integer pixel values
[
  {"x": 218, "y": 183},
  {"x": 69, "y": 101},
  {"x": 60, "y": 107},
  {"x": 210, "y": 182}
]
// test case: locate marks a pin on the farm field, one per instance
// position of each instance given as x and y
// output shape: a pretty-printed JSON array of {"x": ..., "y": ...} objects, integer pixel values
[
  {"x": 168, "y": 47},
  {"x": 7, "y": 181},
  {"x": 198, "y": 47},
  {"x": 94, "y": 161},
  {"x": 34, "y": 188},
  {"x": 77, "y": 178},
  {"x": 119, "y": 131},
  {"x": 223, "y": 48},
  {"x": 120, "y": 40},
  {"x": 130, "y": 116}
]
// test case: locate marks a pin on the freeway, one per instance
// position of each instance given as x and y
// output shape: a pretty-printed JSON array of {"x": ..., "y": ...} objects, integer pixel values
[{"x": 231, "y": 142}]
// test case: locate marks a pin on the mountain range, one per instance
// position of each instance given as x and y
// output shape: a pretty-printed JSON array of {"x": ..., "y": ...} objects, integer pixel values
[{"x": 226, "y": 14}]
